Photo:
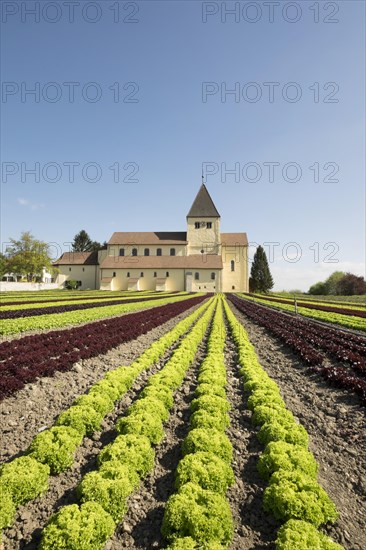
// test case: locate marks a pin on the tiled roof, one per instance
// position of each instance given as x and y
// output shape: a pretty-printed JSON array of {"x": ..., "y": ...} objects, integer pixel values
[
  {"x": 203, "y": 206},
  {"x": 195, "y": 261},
  {"x": 78, "y": 258},
  {"x": 231, "y": 239},
  {"x": 149, "y": 237}
]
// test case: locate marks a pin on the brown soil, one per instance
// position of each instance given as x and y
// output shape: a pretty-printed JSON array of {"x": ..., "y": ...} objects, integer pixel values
[{"x": 333, "y": 418}]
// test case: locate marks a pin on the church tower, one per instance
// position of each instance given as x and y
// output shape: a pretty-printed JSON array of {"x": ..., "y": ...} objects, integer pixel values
[{"x": 203, "y": 225}]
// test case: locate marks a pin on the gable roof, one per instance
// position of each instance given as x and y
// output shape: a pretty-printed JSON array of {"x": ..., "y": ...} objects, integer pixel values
[
  {"x": 203, "y": 206},
  {"x": 149, "y": 237},
  {"x": 78, "y": 258}
]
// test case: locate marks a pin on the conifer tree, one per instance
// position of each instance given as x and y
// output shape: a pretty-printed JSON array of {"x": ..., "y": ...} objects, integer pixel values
[
  {"x": 260, "y": 276},
  {"x": 83, "y": 243}
]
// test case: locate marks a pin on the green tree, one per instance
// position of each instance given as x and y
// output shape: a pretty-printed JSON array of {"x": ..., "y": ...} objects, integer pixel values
[
  {"x": 28, "y": 256},
  {"x": 260, "y": 276},
  {"x": 331, "y": 282},
  {"x": 318, "y": 289},
  {"x": 83, "y": 243},
  {"x": 3, "y": 264}
]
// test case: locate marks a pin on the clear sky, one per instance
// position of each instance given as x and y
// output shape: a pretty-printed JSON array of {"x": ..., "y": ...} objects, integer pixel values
[{"x": 132, "y": 100}]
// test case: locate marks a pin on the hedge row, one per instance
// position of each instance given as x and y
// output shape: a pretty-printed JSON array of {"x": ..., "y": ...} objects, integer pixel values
[
  {"x": 293, "y": 495},
  {"x": 198, "y": 515},
  {"x": 52, "y": 451},
  {"x": 122, "y": 463}
]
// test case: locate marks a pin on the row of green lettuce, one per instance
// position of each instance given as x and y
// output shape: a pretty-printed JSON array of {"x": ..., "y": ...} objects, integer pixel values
[
  {"x": 129, "y": 458},
  {"x": 198, "y": 515},
  {"x": 57, "y": 320},
  {"x": 53, "y": 450},
  {"x": 349, "y": 321},
  {"x": 79, "y": 300},
  {"x": 293, "y": 495}
]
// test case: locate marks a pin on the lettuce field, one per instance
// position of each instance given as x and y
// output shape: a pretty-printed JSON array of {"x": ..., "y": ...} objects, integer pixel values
[{"x": 181, "y": 421}]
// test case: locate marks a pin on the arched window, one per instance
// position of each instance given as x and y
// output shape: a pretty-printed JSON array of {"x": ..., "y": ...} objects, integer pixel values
[
  {"x": 196, "y": 276},
  {"x": 134, "y": 252},
  {"x": 114, "y": 273},
  {"x": 158, "y": 252},
  {"x": 121, "y": 251},
  {"x": 128, "y": 274},
  {"x": 172, "y": 251},
  {"x": 146, "y": 252},
  {"x": 232, "y": 264},
  {"x": 213, "y": 276},
  {"x": 141, "y": 274}
]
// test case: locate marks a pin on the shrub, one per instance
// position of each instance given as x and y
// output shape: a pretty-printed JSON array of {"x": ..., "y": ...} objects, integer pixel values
[
  {"x": 84, "y": 419},
  {"x": 56, "y": 447},
  {"x": 7, "y": 509},
  {"x": 74, "y": 528},
  {"x": 142, "y": 423},
  {"x": 206, "y": 470},
  {"x": 203, "y": 419},
  {"x": 268, "y": 413},
  {"x": 102, "y": 404},
  {"x": 294, "y": 495},
  {"x": 210, "y": 403},
  {"x": 24, "y": 478},
  {"x": 303, "y": 536},
  {"x": 289, "y": 432},
  {"x": 133, "y": 450},
  {"x": 195, "y": 512},
  {"x": 110, "y": 488},
  {"x": 280, "y": 455},
  {"x": 208, "y": 440}
]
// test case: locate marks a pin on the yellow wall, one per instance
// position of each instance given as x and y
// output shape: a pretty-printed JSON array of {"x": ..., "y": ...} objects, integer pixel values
[
  {"x": 87, "y": 274},
  {"x": 239, "y": 277},
  {"x": 175, "y": 281},
  {"x": 203, "y": 238}
]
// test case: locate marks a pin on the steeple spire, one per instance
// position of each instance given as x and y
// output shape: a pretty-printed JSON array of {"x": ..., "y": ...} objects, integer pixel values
[{"x": 203, "y": 206}]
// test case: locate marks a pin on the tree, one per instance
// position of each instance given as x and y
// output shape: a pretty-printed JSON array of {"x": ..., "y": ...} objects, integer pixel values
[
  {"x": 28, "y": 256},
  {"x": 318, "y": 289},
  {"x": 331, "y": 282},
  {"x": 3, "y": 264},
  {"x": 350, "y": 285},
  {"x": 83, "y": 243},
  {"x": 260, "y": 276}
]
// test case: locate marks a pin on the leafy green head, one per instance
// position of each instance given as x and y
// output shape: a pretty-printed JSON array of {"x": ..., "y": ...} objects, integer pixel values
[
  {"x": 206, "y": 470},
  {"x": 208, "y": 440},
  {"x": 279, "y": 455},
  {"x": 143, "y": 423},
  {"x": 303, "y": 536},
  {"x": 290, "y": 432},
  {"x": 56, "y": 447},
  {"x": 132, "y": 450},
  {"x": 84, "y": 419},
  {"x": 24, "y": 478}
]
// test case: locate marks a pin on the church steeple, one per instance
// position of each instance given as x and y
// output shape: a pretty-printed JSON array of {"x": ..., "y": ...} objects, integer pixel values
[{"x": 203, "y": 206}]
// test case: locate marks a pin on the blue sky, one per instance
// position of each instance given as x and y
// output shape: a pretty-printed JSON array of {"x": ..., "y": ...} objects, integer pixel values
[{"x": 146, "y": 89}]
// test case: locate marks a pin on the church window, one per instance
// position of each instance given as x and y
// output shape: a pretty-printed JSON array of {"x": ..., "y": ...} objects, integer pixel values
[
  {"x": 172, "y": 251},
  {"x": 155, "y": 274},
  {"x": 114, "y": 273},
  {"x": 83, "y": 268},
  {"x": 134, "y": 252},
  {"x": 158, "y": 252},
  {"x": 197, "y": 225},
  {"x": 128, "y": 274},
  {"x": 167, "y": 274},
  {"x": 69, "y": 268},
  {"x": 146, "y": 252},
  {"x": 196, "y": 276},
  {"x": 121, "y": 251},
  {"x": 213, "y": 275},
  {"x": 233, "y": 287},
  {"x": 141, "y": 274},
  {"x": 209, "y": 225},
  {"x": 232, "y": 265}
]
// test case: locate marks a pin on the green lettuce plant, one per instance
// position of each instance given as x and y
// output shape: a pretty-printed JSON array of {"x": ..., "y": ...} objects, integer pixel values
[
  {"x": 133, "y": 450},
  {"x": 268, "y": 413},
  {"x": 56, "y": 447},
  {"x": 7, "y": 508},
  {"x": 73, "y": 528},
  {"x": 24, "y": 478},
  {"x": 187, "y": 543},
  {"x": 195, "y": 512},
  {"x": 300, "y": 535},
  {"x": 85, "y": 420},
  {"x": 206, "y": 470},
  {"x": 294, "y": 495},
  {"x": 211, "y": 389},
  {"x": 210, "y": 403},
  {"x": 102, "y": 404},
  {"x": 208, "y": 440},
  {"x": 279, "y": 455},
  {"x": 291, "y": 432},
  {"x": 142, "y": 423},
  {"x": 203, "y": 419}
]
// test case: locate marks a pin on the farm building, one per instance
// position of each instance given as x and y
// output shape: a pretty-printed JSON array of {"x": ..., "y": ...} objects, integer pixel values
[{"x": 200, "y": 259}]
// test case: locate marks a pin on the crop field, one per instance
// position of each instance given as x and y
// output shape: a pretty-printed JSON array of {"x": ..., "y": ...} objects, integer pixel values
[{"x": 181, "y": 421}]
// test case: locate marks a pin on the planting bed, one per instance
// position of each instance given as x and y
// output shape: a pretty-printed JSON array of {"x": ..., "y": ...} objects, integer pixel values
[{"x": 183, "y": 404}]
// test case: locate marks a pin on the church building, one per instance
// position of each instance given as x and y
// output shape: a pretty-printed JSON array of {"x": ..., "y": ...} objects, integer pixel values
[{"x": 200, "y": 259}]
